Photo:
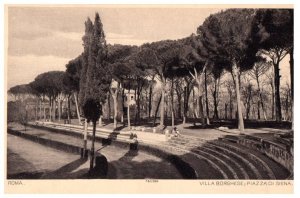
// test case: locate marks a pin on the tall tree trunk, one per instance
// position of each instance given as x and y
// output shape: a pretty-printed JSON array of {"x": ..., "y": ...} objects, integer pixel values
[
  {"x": 59, "y": 108},
  {"x": 194, "y": 107},
  {"x": 138, "y": 113},
  {"x": 238, "y": 97},
  {"x": 206, "y": 95},
  {"x": 172, "y": 104},
  {"x": 85, "y": 135},
  {"x": 184, "y": 105},
  {"x": 230, "y": 105},
  {"x": 93, "y": 147},
  {"x": 187, "y": 93},
  {"x": 100, "y": 120},
  {"x": 150, "y": 101},
  {"x": 50, "y": 109},
  {"x": 109, "y": 106},
  {"x": 77, "y": 108},
  {"x": 226, "y": 111},
  {"x": 258, "y": 111},
  {"x": 292, "y": 72},
  {"x": 215, "y": 92},
  {"x": 292, "y": 84},
  {"x": 261, "y": 99},
  {"x": 135, "y": 106},
  {"x": 101, "y": 115},
  {"x": 200, "y": 103},
  {"x": 287, "y": 106},
  {"x": 40, "y": 105},
  {"x": 44, "y": 104},
  {"x": 253, "y": 112},
  {"x": 247, "y": 111},
  {"x": 54, "y": 109},
  {"x": 272, "y": 100},
  {"x": 69, "y": 110},
  {"x": 123, "y": 107},
  {"x": 128, "y": 109},
  {"x": 198, "y": 78},
  {"x": 156, "y": 111},
  {"x": 162, "y": 106},
  {"x": 115, "y": 99},
  {"x": 166, "y": 106},
  {"x": 248, "y": 101},
  {"x": 36, "y": 108},
  {"x": 277, "y": 92},
  {"x": 179, "y": 106},
  {"x": 216, "y": 113}
]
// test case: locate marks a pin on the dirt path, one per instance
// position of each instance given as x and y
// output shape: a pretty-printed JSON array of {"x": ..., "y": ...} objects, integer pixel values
[{"x": 29, "y": 160}]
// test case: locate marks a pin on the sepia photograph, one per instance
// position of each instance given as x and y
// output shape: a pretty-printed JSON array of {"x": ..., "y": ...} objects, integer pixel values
[{"x": 147, "y": 95}]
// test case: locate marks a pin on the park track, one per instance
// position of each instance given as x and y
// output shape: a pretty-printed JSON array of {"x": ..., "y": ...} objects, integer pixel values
[{"x": 222, "y": 158}]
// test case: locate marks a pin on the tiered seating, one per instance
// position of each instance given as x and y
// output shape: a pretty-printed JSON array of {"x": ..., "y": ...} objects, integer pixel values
[
  {"x": 77, "y": 131},
  {"x": 232, "y": 159},
  {"x": 228, "y": 157}
]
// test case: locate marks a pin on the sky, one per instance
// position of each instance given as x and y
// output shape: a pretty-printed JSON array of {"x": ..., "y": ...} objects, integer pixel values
[{"x": 42, "y": 39}]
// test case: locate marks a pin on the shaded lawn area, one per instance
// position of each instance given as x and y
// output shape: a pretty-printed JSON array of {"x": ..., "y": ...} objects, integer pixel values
[{"x": 35, "y": 161}]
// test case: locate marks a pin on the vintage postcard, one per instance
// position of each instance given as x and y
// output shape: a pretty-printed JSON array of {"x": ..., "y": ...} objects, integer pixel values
[{"x": 149, "y": 99}]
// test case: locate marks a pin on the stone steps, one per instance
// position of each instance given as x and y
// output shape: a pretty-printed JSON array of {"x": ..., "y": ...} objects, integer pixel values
[
  {"x": 275, "y": 170},
  {"x": 205, "y": 167},
  {"x": 228, "y": 170},
  {"x": 249, "y": 165},
  {"x": 233, "y": 165},
  {"x": 236, "y": 166},
  {"x": 267, "y": 144},
  {"x": 229, "y": 138},
  {"x": 244, "y": 164}
]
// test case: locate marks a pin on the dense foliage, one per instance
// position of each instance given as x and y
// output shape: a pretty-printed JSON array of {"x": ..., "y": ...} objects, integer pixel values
[{"x": 228, "y": 58}]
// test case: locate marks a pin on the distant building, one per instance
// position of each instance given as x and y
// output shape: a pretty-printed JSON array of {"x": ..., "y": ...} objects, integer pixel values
[{"x": 129, "y": 98}]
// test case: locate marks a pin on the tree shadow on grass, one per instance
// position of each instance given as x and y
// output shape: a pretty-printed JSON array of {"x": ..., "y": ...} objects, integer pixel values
[
  {"x": 129, "y": 155},
  {"x": 66, "y": 170},
  {"x": 147, "y": 168},
  {"x": 14, "y": 160},
  {"x": 26, "y": 175},
  {"x": 119, "y": 128}
]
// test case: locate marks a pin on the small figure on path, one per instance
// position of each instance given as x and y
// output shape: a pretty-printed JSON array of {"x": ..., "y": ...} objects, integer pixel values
[{"x": 175, "y": 132}]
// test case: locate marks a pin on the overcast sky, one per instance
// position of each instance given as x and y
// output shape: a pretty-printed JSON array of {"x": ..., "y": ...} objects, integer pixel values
[{"x": 42, "y": 39}]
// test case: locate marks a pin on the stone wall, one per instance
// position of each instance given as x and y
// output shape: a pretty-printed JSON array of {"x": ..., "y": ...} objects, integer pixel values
[{"x": 282, "y": 154}]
